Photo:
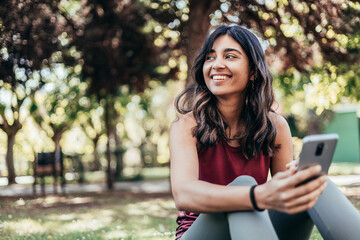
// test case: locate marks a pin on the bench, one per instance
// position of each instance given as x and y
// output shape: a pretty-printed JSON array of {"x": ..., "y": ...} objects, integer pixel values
[{"x": 49, "y": 164}]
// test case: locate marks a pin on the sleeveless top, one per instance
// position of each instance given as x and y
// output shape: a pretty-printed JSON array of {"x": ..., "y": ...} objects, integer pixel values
[{"x": 221, "y": 164}]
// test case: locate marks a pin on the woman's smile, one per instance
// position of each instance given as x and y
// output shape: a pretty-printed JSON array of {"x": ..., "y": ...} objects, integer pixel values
[{"x": 218, "y": 78}]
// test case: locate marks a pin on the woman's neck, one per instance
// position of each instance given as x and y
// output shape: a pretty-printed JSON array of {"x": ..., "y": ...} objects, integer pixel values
[{"x": 231, "y": 110}]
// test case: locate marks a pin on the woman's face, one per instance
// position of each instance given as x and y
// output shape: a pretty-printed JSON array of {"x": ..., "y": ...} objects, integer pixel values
[{"x": 226, "y": 68}]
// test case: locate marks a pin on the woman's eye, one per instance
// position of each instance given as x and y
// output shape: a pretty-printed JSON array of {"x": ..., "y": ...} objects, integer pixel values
[
  {"x": 230, "y": 56},
  {"x": 209, "y": 57}
]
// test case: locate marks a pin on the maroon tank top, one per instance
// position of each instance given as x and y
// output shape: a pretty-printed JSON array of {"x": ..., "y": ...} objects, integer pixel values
[{"x": 221, "y": 164}]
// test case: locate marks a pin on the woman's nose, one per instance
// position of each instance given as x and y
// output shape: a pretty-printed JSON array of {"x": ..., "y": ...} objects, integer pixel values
[{"x": 218, "y": 64}]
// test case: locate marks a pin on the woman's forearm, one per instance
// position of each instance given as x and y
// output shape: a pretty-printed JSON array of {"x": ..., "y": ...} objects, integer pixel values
[{"x": 200, "y": 196}]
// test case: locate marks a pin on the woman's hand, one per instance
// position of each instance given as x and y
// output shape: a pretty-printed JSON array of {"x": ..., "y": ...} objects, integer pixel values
[
  {"x": 293, "y": 164},
  {"x": 281, "y": 193}
]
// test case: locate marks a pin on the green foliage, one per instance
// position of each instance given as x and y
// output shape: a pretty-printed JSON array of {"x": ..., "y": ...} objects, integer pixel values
[
  {"x": 320, "y": 89},
  {"x": 2, "y": 108},
  {"x": 91, "y": 119},
  {"x": 56, "y": 105},
  {"x": 28, "y": 36},
  {"x": 298, "y": 33},
  {"x": 115, "y": 50}
]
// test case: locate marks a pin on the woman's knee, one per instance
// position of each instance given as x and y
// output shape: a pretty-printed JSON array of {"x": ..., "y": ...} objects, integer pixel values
[{"x": 243, "y": 180}]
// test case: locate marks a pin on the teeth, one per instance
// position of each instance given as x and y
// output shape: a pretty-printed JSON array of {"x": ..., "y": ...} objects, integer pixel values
[{"x": 219, "y": 77}]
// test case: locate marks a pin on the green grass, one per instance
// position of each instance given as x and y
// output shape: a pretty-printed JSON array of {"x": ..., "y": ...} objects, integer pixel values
[
  {"x": 100, "y": 216},
  {"x": 346, "y": 168},
  {"x": 154, "y": 173}
]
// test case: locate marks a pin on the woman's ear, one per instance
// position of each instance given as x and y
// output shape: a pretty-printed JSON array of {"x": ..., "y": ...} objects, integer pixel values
[{"x": 253, "y": 75}]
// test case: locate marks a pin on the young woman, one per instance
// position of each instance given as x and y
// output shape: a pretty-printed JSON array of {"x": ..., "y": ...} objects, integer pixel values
[{"x": 226, "y": 141}]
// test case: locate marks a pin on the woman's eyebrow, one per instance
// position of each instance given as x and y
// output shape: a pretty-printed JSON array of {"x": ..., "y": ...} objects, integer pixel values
[
  {"x": 232, "y": 49},
  {"x": 227, "y": 50}
]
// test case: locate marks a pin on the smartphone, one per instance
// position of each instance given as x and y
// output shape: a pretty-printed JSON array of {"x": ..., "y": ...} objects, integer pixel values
[{"x": 318, "y": 149}]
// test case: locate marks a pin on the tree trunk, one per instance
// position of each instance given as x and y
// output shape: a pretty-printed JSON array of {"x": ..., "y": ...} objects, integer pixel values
[
  {"x": 11, "y": 131},
  {"x": 10, "y": 157},
  {"x": 56, "y": 139},
  {"x": 96, "y": 163},
  {"x": 314, "y": 123},
  {"x": 118, "y": 151},
  {"x": 196, "y": 30},
  {"x": 119, "y": 164},
  {"x": 108, "y": 124}
]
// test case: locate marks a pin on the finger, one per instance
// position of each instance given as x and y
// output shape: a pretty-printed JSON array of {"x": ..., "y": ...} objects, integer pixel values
[
  {"x": 303, "y": 175},
  {"x": 303, "y": 190},
  {"x": 292, "y": 164},
  {"x": 304, "y": 199},
  {"x": 293, "y": 170},
  {"x": 301, "y": 208},
  {"x": 289, "y": 164},
  {"x": 309, "y": 186},
  {"x": 283, "y": 174},
  {"x": 296, "y": 162}
]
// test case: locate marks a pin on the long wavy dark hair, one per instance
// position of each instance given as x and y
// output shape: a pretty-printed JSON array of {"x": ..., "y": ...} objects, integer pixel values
[{"x": 260, "y": 131}]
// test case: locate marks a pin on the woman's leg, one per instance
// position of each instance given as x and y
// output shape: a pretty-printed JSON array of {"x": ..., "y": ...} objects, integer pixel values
[
  {"x": 334, "y": 215},
  {"x": 232, "y": 225},
  {"x": 296, "y": 226},
  {"x": 208, "y": 226},
  {"x": 250, "y": 224}
]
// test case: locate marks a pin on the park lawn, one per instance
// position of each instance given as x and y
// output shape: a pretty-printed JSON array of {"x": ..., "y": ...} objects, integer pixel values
[
  {"x": 93, "y": 216},
  {"x": 110, "y": 215}
]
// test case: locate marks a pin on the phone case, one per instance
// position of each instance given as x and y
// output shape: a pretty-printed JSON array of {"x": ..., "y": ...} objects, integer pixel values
[{"x": 318, "y": 149}]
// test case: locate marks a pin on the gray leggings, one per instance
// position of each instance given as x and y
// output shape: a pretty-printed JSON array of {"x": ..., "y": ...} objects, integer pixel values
[{"x": 333, "y": 214}]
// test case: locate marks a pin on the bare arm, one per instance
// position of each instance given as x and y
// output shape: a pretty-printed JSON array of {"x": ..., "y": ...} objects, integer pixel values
[
  {"x": 284, "y": 154},
  {"x": 281, "y": 192},
  {"x": 190, "y": 193}
]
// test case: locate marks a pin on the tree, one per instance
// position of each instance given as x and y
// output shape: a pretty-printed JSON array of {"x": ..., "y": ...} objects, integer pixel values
[
  {"x": 116, "y": 50},
  {"x": 28, "y": 37},
  {"x": 299, "y": 33},
  {"x": 56, "y": 105}
]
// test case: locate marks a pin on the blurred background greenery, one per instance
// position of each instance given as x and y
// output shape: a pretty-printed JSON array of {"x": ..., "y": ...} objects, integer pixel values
[{"x": 97, "y": 79}]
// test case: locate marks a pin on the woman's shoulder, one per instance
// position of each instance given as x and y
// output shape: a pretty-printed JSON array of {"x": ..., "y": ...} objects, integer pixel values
[
  {"x": 184, "y": 122},
  {"x": 279, "y": 120},
  {"x": 182, "y": 129},
  {"x": 282, "y": 128}
]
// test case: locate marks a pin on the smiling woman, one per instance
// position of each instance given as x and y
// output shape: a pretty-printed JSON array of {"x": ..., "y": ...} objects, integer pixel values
[
  {"x": 230, "y": 71},
  {"x": 226, "y": 141}
]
